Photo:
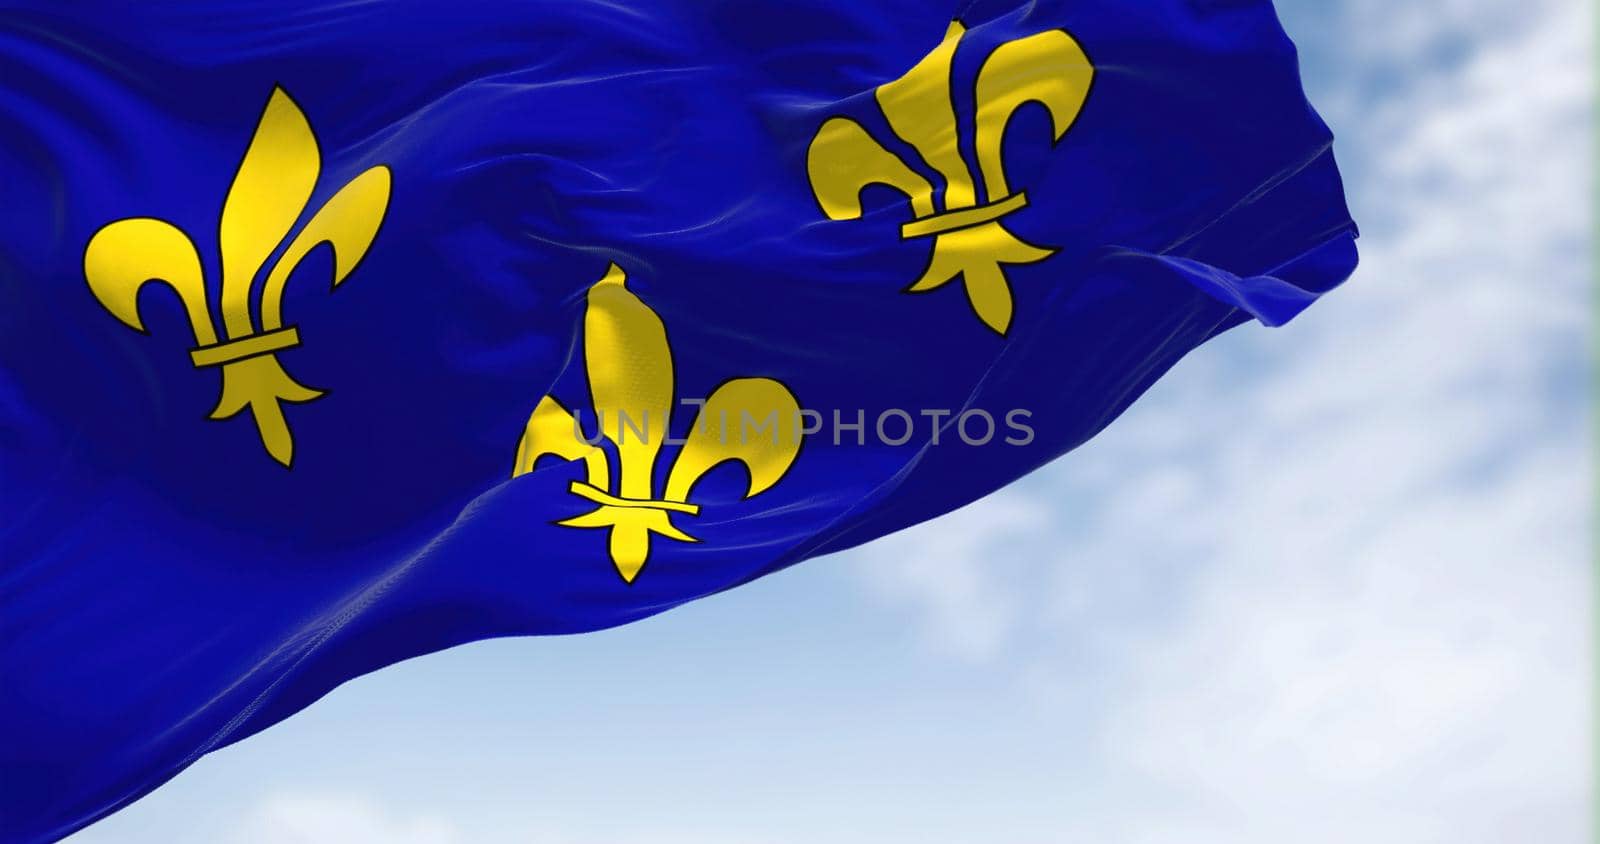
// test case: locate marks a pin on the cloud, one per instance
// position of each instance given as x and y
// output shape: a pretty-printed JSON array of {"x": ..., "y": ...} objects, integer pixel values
[
  {"x": 1332, "y": 580},
  {"x": 320, "y": 818},
  {"x": 955, "y": 570}
]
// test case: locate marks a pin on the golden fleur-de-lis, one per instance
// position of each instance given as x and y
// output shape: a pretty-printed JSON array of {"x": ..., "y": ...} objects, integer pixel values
[
  {"x": 969, "y": 241},
  {"x": 629, "y": 365},
  {"x": 268, "y": 195}
]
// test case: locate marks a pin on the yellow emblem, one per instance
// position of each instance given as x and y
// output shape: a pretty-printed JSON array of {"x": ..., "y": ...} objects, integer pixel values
[
  {"x": 629, "y": 364},
  {"x": 1048, "y": 68},
  {"x": 268, "y": 195}
]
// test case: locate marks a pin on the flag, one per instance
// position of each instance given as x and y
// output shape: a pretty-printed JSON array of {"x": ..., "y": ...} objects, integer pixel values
[{"x": 338, "y": 333}]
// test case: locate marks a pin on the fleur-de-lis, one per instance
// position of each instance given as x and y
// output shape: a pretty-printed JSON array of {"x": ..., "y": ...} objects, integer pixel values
[
  {"x": 1048, "y": 68},
  {"x": 268, "y": 195},
  {"x": 629, "y": 365}
]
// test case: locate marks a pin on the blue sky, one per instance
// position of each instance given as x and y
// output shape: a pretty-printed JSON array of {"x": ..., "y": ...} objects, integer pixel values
[{"x": 1328, "y": 582}]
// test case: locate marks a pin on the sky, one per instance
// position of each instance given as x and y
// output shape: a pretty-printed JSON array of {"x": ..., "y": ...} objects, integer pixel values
[{"x": 1325, "y": 583}]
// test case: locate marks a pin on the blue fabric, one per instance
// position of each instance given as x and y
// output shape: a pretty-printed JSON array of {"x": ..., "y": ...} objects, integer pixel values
[{"x": 168, "y": 587}]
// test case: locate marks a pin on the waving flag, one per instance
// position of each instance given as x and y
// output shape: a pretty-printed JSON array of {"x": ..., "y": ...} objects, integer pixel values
[{"x": 338, "y": 333}]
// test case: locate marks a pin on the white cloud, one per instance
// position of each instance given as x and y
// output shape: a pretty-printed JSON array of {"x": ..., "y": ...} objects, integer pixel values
[
  {"x": 1341, "y": 591},
  {"x": 961, "y": 570},
  {"x": 316, "y": 817},
  {"x": 321, "y": 818}
]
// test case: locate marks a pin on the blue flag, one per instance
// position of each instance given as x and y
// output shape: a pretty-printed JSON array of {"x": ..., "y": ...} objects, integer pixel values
[{"x": 336, "y": 333}]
